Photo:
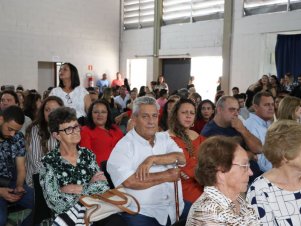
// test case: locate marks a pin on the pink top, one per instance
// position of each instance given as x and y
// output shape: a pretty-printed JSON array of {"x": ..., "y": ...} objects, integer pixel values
[
  {"x": 117, "y": 82},
  {"x": 161, "y": 102}
]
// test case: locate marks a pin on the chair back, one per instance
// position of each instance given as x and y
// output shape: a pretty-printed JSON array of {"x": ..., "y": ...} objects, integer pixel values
[
  {"x": 103, "y": 167},
  {"x": 41, "y": 211}
]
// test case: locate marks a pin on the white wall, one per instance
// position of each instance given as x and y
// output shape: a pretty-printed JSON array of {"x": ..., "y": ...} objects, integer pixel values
[
  {"x": 197, "y": 39},
  {"x": 253, "y": 44},
  {"x": 78, "y": 31},
  {"x": 135, "y": 44}
]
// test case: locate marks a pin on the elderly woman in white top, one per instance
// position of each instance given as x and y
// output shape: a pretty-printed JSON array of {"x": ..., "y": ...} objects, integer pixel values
[
  {"x": 223, "y": 168},
  {"x": 70, "y": 91},
  {"x": 276, "y": 195}
]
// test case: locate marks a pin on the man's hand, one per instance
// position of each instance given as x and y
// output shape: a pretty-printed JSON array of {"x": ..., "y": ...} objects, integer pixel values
[
  {"x": 143, "y": 169},
  {"x": 8, "y": 195},
  {"x": 174, "y": 174},
  {"x": 98, "y": 177},
  {"x": 237, "y": 124},
  {"x": 72, "y": 189}
]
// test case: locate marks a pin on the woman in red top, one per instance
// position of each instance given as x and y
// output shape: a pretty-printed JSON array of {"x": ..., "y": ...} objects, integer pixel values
[
  {"x": 100, "y": 135},
  {"x": 204, "y": 113},
  {"x": 181, "y": 119}
]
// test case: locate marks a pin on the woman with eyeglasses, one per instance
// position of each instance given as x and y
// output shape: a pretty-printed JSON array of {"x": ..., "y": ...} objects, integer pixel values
[
  {"x": 223, "y": 169},
  {"x": 100, "y": 134},
  {"x": 70, "y": 91},
  {"x": 276, "y": 195},
  {"x": 69, "y": 170},
  {"x": 180, "y": 121}
]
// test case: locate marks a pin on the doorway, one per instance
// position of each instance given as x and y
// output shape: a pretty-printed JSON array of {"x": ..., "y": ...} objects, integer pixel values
[
  {"x": 176, "y": 72},
  {"x": 46, "y": 75}
]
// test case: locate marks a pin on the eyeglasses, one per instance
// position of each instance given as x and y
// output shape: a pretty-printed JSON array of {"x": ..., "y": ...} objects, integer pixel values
[
  {"x": 71, "y": 129},
  {"x": 69, "y": 101},
  {"x": 245, "y": 167}
]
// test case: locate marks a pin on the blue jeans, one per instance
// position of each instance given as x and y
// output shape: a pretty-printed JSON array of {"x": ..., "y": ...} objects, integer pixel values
[
  {"x": 26, "y": 201},
  {"x": 142, "y": 220}
]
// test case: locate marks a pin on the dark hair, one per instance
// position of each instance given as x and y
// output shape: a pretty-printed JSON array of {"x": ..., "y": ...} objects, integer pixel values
[
  {"x": 163, "y": 123},
  {"x": 30, "y": 107},
  {"x": 235, "y": 88},
  {"x": 162, "y": 92},
  {"x": 13, "y": 113},
  {"x": 19, "y": 88},
  {"x": 90, "y": 122},
  {"x": 12, "y": 93},
  {"x": 59, "y": 116},
  {"x": 74, "y": 76},
  {"x": 175, "y": 126},
  {"x": 257, "y": 97},
  {"x": 42, "y": 124},
  {"x": 216, "y": 154},
  {"x": 199, "y": 115},
  {"x": 141, "y": 91},
  {"x": 239, "y": 96},
  {"x": 126, "y": 84}
]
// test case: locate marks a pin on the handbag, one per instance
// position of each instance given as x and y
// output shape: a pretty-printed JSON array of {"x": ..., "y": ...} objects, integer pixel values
[{"x": 100, "y": 206}]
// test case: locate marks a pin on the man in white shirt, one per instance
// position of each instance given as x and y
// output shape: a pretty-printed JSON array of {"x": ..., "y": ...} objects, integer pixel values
[
  {"x": 122, "y": 98},
  {"x": 143, "y": 162}
]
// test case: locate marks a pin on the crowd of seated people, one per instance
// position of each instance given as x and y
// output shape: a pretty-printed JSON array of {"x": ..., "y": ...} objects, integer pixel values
[{"x": 166, "y": 139}]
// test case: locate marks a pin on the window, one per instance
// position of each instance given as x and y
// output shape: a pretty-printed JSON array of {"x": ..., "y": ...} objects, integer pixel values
[
  {"x": 183, "y": 11},
  {"x": 138, "y": 13},
  {"x": 252, "y": 7}
]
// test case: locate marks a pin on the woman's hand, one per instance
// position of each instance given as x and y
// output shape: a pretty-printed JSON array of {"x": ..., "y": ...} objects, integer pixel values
[
  {"x": 98, "y": 177},
  {"x": 72, "y": 189}
]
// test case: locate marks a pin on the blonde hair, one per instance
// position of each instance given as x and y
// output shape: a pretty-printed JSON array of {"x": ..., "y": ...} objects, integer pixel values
[
  {"x": 287, "y": 108},
  {"x": 282, "y": 141}
]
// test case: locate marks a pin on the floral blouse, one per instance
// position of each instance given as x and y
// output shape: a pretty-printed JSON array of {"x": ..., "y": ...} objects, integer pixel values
[{"x": 58, "y": 172}]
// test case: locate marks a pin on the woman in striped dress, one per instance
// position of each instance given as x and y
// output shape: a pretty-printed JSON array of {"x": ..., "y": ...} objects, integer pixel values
[{"x": 38, "y": 138}]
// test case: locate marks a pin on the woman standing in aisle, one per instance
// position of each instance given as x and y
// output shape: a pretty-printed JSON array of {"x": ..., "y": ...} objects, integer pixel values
[{"x": 70, "y": 91}]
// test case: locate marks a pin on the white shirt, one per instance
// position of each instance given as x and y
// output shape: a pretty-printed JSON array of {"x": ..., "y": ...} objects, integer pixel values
[
  {"x": 122, "y": 102},
  {"x": 157, "y": 201},
  {"x": 75, "y": 99}
]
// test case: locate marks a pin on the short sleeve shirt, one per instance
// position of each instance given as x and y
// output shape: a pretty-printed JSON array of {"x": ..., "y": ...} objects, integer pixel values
[
  {"x": 157, "y": 201},
  {"x": 9, "y": 150}
]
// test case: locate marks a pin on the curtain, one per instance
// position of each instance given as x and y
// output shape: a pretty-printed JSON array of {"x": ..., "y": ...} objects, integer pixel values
[{"x": 288, "y": 55}]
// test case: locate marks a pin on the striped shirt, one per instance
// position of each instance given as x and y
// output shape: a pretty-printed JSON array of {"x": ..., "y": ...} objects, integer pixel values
[
  {"x": 34, "y": 154},
  {"x": 214, "y": 208}
]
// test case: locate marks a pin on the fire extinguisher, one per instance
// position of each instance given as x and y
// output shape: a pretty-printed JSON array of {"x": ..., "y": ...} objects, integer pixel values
[{"x": 90, "y": 81}]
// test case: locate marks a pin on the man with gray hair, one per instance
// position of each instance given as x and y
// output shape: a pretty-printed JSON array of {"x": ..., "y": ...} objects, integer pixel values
[
  {"x": 227, "y": 123},
  {"x": 143, "y": 162}
]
